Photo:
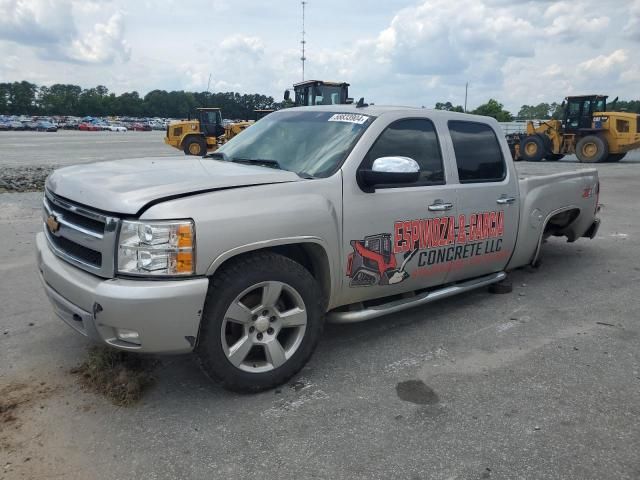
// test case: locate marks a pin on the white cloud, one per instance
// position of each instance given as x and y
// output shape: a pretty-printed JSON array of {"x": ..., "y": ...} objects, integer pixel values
[
  {"x": 604, "y": 65},
  {"x": 36, "y": 22},
  {"x": 103, "y": 44},
  {"x": 632, "y": 27},
  {"x": 50, "y": 27}
]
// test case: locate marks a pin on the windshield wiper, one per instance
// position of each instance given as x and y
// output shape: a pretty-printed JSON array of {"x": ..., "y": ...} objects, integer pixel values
[
  {"x": 258, "y": 161},
  {"x": 305, "y": 175},
  {"x": 221, "y": 155}
]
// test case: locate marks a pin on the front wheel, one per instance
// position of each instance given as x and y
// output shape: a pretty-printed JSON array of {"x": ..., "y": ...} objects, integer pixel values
[
  {"x": 195, "y": 146},
  {"x": 592, "y": 149},
  {"x": 262, "y": 320},
  {"x": 532, "y": 148}
]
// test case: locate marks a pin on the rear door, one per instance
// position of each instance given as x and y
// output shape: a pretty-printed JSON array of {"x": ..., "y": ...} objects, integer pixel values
[
  {"x": 390, "y": 235},
  {"x": 486, "y": 198}
]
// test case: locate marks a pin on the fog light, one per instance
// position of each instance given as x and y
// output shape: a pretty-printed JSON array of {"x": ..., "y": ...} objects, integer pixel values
[{"x": 130, "y": 336}]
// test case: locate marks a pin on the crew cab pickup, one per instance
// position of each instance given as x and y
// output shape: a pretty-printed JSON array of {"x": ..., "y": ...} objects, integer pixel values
[{"x": 342, "y": 213}]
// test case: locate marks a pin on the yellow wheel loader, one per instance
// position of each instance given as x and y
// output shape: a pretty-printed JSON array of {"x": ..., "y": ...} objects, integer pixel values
[
  {"x": 202, "y": 134},
  {"x": 319, "y": 92},
  {"x": 586, "y": 129}
]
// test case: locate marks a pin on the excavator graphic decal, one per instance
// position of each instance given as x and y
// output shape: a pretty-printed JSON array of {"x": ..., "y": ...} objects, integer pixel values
[{"x": 373, "y": 262}]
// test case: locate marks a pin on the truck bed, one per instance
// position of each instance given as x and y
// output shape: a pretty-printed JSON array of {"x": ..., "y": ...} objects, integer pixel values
[{"x": 551, "y": 189}]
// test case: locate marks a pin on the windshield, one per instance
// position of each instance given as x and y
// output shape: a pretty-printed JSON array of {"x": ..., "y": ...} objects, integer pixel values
[
  {"x": 328, "y": 95},
  {"x": 306, "y": 142}
]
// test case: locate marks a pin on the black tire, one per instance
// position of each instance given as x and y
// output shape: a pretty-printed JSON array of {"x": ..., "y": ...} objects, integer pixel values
[
  {"x": 592, "y": 149},
  {"x": 195, "y": 146},
  {"x": 554, "y": 157},
  {"x": 532, "y": 148},
  {"x": 615, "y": 157},
  {"x": 232, "y": 280}
]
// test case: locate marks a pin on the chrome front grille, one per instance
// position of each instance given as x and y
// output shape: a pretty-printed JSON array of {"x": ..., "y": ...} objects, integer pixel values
[{"x": 84, "y": 238}]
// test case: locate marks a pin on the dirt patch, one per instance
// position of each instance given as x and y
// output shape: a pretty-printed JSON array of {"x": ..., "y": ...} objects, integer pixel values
[
  {"x": 16, "y": 397},
  {"x": 122, "y": 377}
]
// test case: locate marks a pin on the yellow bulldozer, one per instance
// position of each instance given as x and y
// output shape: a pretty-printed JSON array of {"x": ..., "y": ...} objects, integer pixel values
[
  {"x": 202, "y": 134},
  {"x": 586, "y": 129}
]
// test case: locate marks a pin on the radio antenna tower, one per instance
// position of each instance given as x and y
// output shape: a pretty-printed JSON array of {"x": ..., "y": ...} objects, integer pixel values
[{"x": 303, "y": 42}]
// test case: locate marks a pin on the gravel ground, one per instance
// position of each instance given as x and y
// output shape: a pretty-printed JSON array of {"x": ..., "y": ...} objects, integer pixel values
[
  {"x": 24, "y": 179},
  {"x": 542, "y": 383},
  {"x": 29, "y": 157}
]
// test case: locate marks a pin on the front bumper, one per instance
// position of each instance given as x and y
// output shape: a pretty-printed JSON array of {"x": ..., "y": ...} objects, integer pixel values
[{"x": 165, "y": 313}]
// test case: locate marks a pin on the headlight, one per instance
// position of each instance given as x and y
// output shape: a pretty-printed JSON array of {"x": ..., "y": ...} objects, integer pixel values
[{"x": 157, "y": 248}]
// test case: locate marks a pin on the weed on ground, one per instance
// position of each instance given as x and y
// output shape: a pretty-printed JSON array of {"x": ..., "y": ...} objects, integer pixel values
[{"x": 122, "y": 377}]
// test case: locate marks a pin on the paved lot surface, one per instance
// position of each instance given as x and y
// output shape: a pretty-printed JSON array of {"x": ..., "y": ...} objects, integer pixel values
[
  {"x": 542, "y": 383},
  {"x": 68, "y": 147}
]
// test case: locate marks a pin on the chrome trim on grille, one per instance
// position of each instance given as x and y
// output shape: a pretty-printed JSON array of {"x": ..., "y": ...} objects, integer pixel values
[{"x": 97, "y": 238}]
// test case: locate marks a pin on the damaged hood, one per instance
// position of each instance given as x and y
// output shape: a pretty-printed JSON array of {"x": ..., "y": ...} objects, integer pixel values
[{"x": 127, "y": 186}]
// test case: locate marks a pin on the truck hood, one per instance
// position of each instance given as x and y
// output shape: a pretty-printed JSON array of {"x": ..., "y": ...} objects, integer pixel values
[{"x": 127, "y": 186}]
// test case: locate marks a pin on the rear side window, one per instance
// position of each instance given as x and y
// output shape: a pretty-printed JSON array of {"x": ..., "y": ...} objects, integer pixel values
[
  {"x": 414, "y": 138},
  {"x": 478, "y": 153}
]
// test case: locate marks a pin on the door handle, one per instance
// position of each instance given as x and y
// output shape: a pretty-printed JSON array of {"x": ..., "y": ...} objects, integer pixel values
[
  {"x": 440, "y": 207},
  {"x": 505, "y": 200}
]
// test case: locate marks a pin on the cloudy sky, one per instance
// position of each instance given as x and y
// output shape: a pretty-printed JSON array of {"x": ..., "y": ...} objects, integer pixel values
[{"x": 411, "y": 52}]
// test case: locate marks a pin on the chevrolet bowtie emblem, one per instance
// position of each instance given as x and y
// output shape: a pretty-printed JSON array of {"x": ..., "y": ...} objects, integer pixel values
[{"x": 52, "y": 224}]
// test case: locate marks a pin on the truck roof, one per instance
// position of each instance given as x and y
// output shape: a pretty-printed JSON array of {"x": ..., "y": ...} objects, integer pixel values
[{"x": 377, "y": 110}]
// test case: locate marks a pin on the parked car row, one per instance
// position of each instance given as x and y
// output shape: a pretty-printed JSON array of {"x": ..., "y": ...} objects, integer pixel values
[
  {"x": 90, "y": 124},
  {"x": 39, "y": 126}
]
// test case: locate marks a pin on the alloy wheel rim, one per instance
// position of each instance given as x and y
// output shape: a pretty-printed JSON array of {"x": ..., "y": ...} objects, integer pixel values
[
  {"x": 531, "y": 148},
  {"x": 589, "y": 149},
  {"x": 263, "y": 327}
]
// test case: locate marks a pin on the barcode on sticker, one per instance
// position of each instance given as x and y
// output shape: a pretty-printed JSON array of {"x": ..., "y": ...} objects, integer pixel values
[{"x": 349, "y": 117}]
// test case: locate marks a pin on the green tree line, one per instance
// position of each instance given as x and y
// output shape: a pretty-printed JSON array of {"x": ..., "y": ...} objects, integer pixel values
[
  {"x": 492, "y": 108},
  {"x": 542, "y": 111},
  {"x": 25, "y": 98},
  {"x": 545, "y": 111}
]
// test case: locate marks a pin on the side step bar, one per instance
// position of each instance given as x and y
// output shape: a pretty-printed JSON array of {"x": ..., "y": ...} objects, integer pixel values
[{"x": 405, "y": 303}]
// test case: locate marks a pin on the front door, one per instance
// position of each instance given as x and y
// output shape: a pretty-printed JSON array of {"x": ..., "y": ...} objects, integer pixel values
[
  {"x": 487, "y": 201},
  {"x": 211, "y": 122},
  {"x": 393, "y": 236}
]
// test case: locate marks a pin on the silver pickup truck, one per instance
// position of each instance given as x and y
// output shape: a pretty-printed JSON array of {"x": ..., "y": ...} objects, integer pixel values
[{"x": 334, "y": 212}]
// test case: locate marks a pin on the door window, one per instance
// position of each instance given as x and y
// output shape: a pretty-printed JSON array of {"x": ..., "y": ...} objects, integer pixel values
[
  {"x": 415, "y": 138},
  {"x": 478, "y": 153}
]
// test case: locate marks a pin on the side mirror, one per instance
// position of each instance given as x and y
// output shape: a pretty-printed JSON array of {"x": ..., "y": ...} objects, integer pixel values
[
  {"x": 287, "y": 95},
  {"x": 390, "y": 170}
]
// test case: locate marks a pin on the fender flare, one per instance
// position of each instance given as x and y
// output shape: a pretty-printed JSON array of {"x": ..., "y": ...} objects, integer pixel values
[
  {"x": 549, "y": 216},
  {"x": 276, "y": 242}
]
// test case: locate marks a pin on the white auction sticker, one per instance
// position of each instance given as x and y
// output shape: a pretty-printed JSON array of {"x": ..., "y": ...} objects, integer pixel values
[{"x": 349, "y": 117}]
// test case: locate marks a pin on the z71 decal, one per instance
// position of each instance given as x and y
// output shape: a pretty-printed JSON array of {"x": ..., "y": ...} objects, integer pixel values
[{"x": 383, "y": 259}]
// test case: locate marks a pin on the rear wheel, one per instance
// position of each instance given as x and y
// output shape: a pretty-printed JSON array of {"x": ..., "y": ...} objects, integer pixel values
[
  {"x": 262, "y": 320},
  {"x": 195, "y": 146},
  {"x": 592, "y": 149},
  {"x": 615, "y": 157},
  {"x": 532, "y": 148}
]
